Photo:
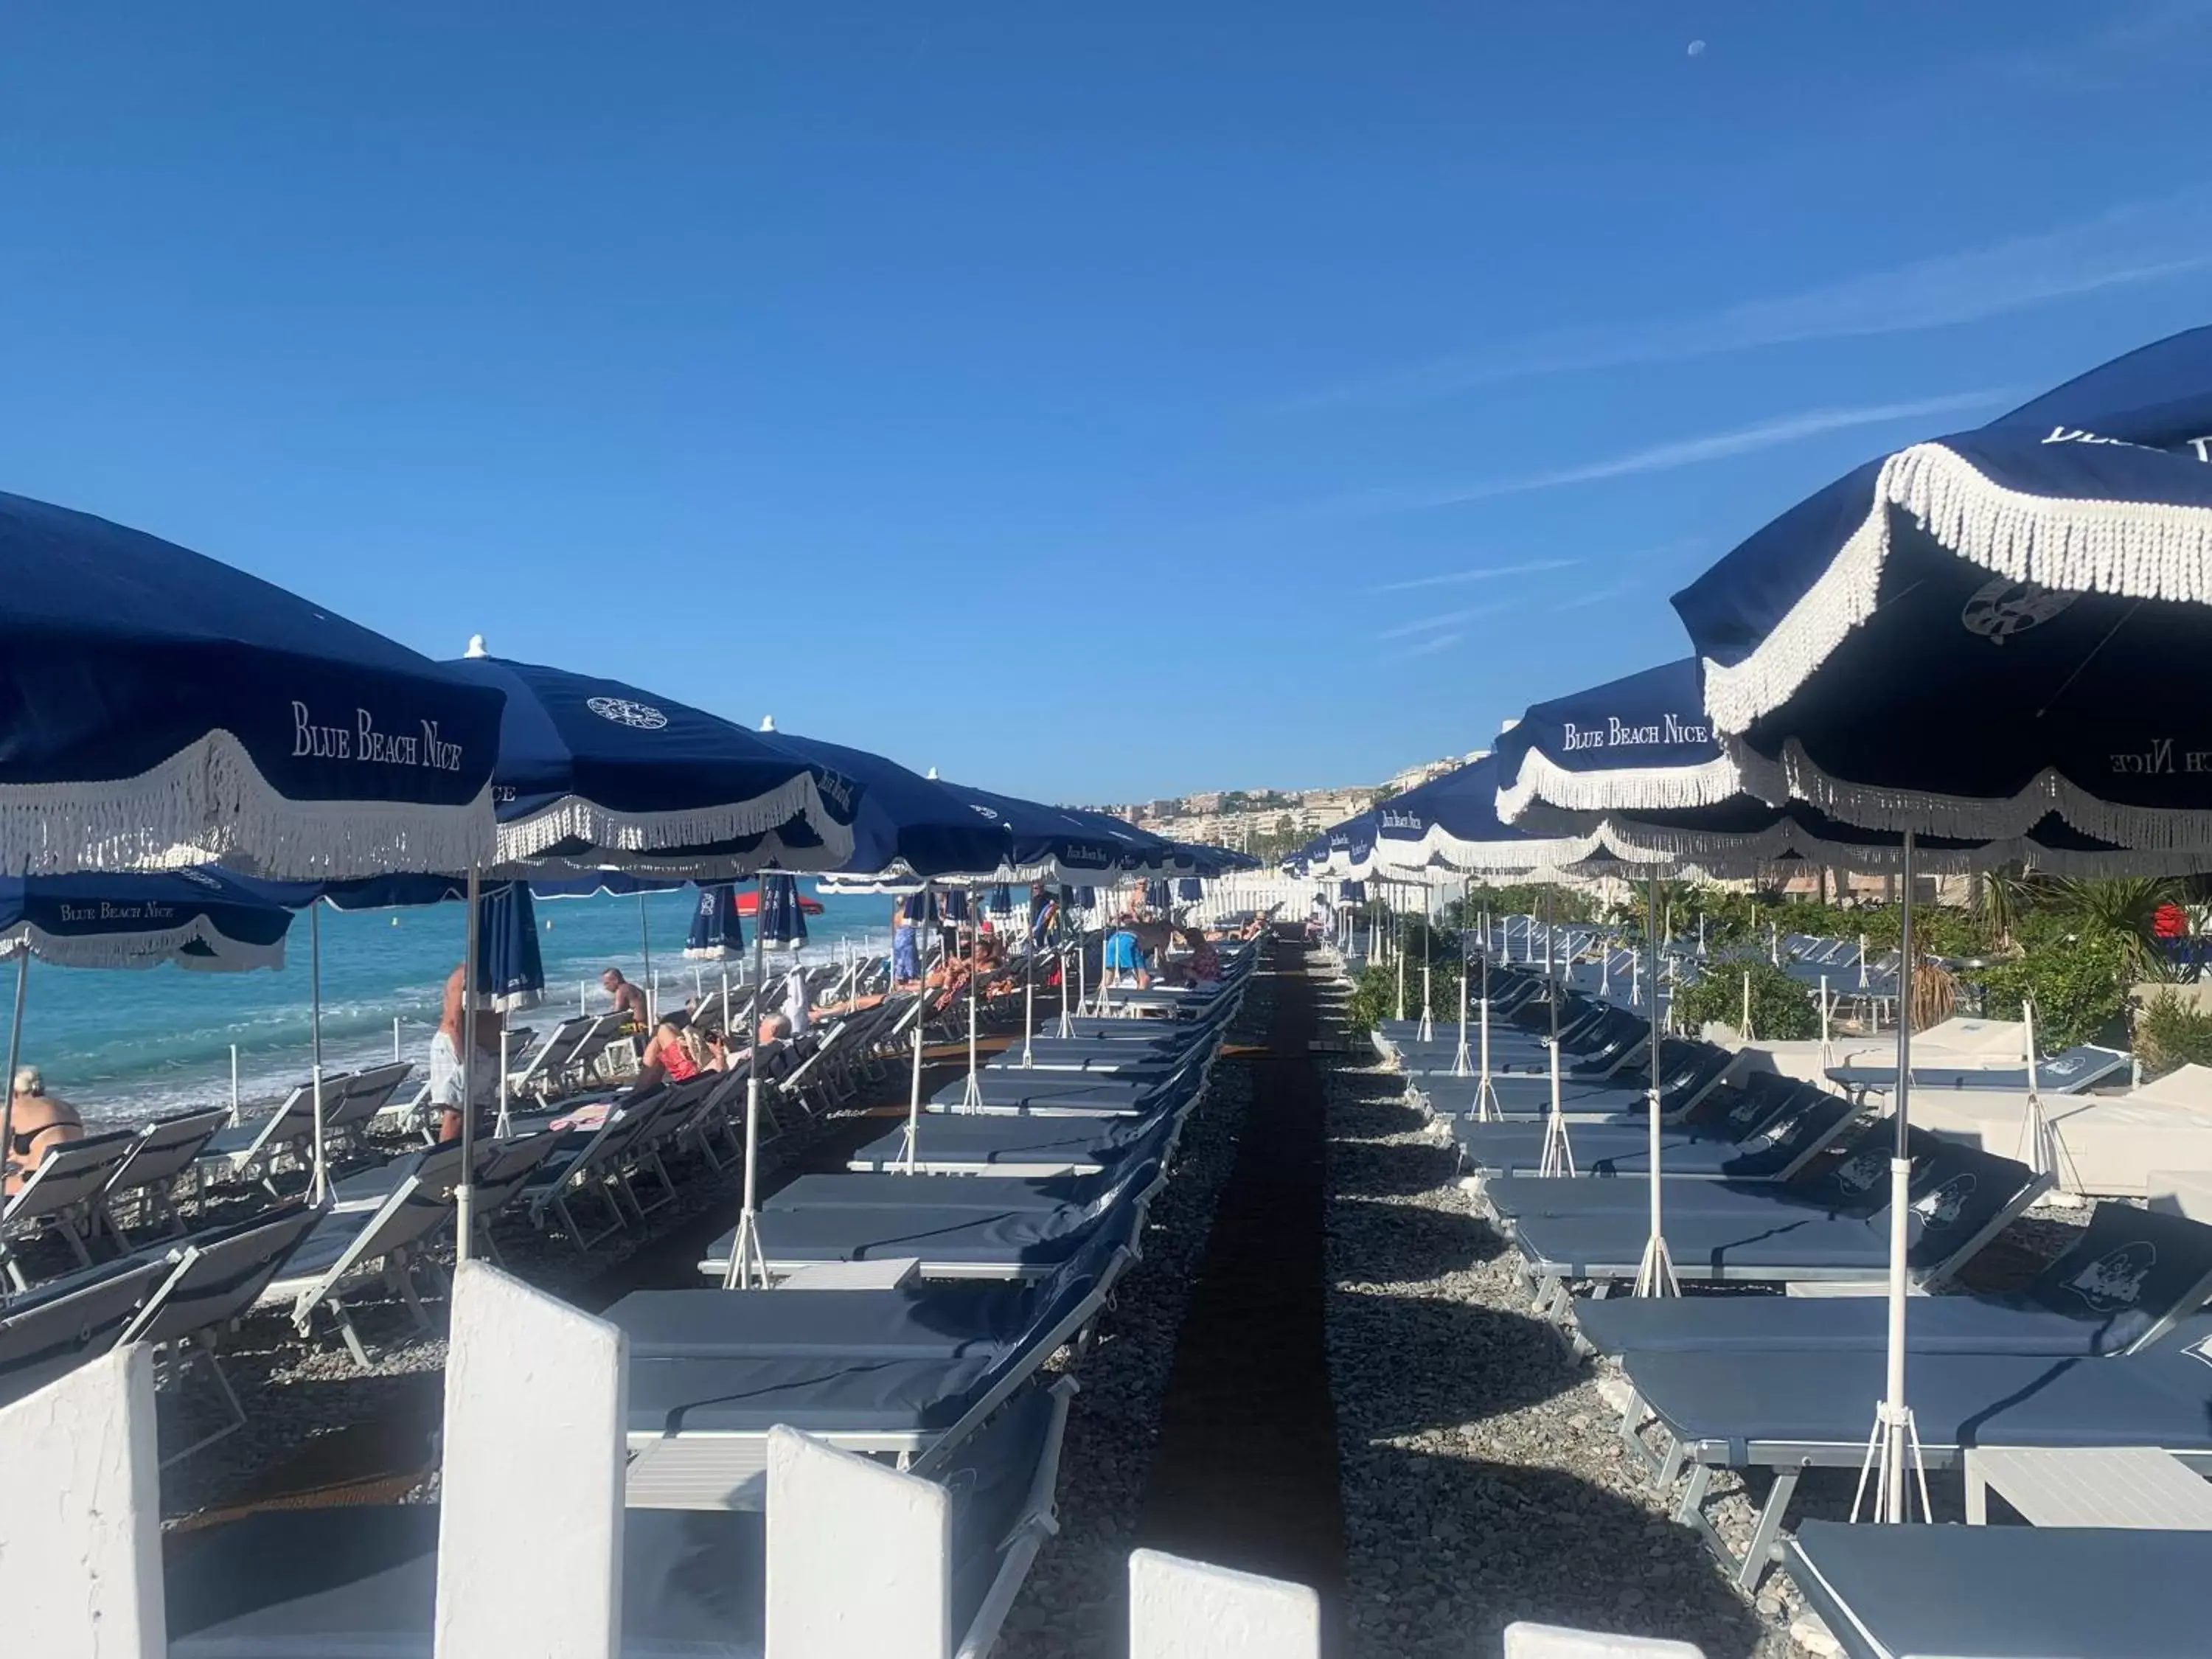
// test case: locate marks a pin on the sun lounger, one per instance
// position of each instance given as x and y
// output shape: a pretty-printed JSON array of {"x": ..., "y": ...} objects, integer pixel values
[
  {"x": 1857, "y": 1186},
  {"x": 976, "y": 1144},
  {"x": 910, "y": 1372},
  {"x": 347, "y": 1248},
  {"x": 1789, "y": 1411},
  {"x": 59, "y": 1327},
  {"x": 2005, "y": 1592},
  {"x": 1962, "y": 1199},
  {"x": 2067, "y": 1072},
  {"x": 595, "y": 1160},
  {"x": 359, "y": 1098},
  {"x": 2124, "y": 1282},
  {"x": 250, "y": 1149},
  {"x": 143, "y": 1183},
  {"x": 211, "y": 1279},
  {"x": 1019, "y": 1094},
  {"x": 1012, "y": 1242},
  {"x": 1762, "y": 1134},
  {"x": 61, "y": 1198},
  {"x": 352, "y": 1580}
]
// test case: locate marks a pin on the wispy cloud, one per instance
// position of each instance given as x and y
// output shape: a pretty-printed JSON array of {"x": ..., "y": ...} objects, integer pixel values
[
  {"x": 1441, "y": 619},
  {"x": 2142, "y": 242},
  {"x": 1430, "y": 647},
  {"x": 1683, "y": 452},
  {"x": 1481, "y": 574},
  {"x": 1604, "y": 595}
]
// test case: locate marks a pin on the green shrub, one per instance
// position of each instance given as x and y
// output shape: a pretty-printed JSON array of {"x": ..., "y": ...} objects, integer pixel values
[
  {"x": 2170, "y": 1033},
  {"x": 1781, "y": 1009},
  {"x": 2079, "y": 982}
]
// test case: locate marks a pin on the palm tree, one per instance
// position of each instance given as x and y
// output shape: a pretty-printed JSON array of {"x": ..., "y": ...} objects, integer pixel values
[{"x": 2124, "y": 905}]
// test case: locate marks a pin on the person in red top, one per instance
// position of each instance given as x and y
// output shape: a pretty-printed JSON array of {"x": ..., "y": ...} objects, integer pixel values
[
  {"x": 675, "y": 1054},
  {"x": 2170, "y": 920}
]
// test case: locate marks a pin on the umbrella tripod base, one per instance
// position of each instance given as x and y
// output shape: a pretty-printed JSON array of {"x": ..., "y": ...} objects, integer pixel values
[
  {"x": 748, "y": 1266},
  {"x": 1893, "y": 1469},
  {"x": 1428, "y": 1027},
  {"x": 1656, "y": 1277},
  {"x": 971, "y": 1097},
  {"x": 1487, "y": 1107},
  {"x": 1558, "y": 1156}
]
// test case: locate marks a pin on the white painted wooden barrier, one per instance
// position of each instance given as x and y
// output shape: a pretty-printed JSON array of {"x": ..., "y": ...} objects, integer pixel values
[
  {"x": 858, "y": 1556},
  {"x": 1528, "y": 1641},
  {"x": 530, "y": 1524},
  {"x": 1182, "y": 1609},
  {"x": 79, "y": 1516}
]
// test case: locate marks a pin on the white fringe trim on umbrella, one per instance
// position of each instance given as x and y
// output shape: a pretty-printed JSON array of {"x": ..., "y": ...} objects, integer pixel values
[
  {"x": 1524, "y": 855},
  {"x": 1542, "y": 781},
  {"x": 224, "y": 955},
  {"x": 209, "y": 802},
  {"x": 2132, "y": 549},
  {"x": 617, "y": 833},
  {"x": 2160, "y": 841}
]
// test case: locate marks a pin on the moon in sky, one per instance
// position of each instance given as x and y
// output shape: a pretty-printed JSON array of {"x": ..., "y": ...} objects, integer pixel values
[{"x": 1697, "y": 49}]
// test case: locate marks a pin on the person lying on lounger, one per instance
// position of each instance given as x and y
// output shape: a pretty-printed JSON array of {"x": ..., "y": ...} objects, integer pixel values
[
  {"x": 677, "y": 1053},
  {"x": 36, "y": 1120}
]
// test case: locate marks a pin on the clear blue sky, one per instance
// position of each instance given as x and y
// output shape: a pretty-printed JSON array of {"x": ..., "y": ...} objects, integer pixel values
[{"x": 1323, "y": 382}]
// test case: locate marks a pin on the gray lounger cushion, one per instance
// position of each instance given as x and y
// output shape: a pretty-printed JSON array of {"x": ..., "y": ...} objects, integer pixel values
[{"x": 2005, "y": 1592}]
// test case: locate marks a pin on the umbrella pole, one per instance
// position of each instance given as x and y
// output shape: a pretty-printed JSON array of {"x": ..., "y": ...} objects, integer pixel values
[
  {"x": 920, "y": 1019},
  {"x": 1559, "y": 1156},
  {"x": 1657, "y": 1276},
  {"x": 8, "y": 1096},
  {"x": 747, "y": 1267},
  {"x": 1029, "y": 1003},
  {"x": 1401, "y": 971},
  {"x": 2043, "y": 1154},
  {"x": 319, "y": 1182},
  {"x": 1828, "y": 1054},
  {"x": 1894, "y": 1442},
  {"x": 505, "y": 1129},
  {"x": 1461, "y": 1068},
  {"x": 1428, "y": 950},
  {"x": 464, "y": 1195},
  {"x": 971, "y": 1098},
  {"x": 645, "y": 943}
]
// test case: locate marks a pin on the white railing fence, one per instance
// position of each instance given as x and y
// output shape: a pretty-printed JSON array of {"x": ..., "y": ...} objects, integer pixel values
[{"x": 859, "y": 1556}]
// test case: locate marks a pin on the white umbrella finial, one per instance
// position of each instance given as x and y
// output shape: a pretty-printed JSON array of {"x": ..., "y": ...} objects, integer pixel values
[
  {"x": 931, "y": 774},
  {"x": 475, "y": 646},
  {"x": 768, "y": 723}
]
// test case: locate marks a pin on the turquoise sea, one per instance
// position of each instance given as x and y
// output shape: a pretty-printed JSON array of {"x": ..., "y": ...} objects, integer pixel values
[{"x": 123, "y": 1045}]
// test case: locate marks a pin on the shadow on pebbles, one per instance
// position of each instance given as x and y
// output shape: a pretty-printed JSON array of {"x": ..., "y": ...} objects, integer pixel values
[{"x": 1482, "y": 1482}]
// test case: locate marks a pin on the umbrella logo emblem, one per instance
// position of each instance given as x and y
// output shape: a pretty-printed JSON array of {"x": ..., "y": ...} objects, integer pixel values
[
  {"x": 642, "y": 716},
  {"x": 2115, "y": 1279},
  {"x": 1861, "y": 1173},
  {"x": 2003, "y": 608}
]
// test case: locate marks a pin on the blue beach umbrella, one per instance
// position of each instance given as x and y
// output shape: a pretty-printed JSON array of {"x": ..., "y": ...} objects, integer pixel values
[
  {"x": 1190, "y": 889},
  {"x": 161, "y": 708},
  {"x": 602, "y": 773},
  {"x": 198, "y": 919},
  {"x": 1971, "y": 635},
  {"x": 1002, "y": 899},
  {"x": 717, "y": 933},
  {"x": 780, "y": 921},
  {"x": 953, "y": 907},
  {"x": 1452, "y": 821},
  {"x": 1042, "y": 908},
  {"x": 904, "y": 823},
  {"x": 1156, "y": 896}
]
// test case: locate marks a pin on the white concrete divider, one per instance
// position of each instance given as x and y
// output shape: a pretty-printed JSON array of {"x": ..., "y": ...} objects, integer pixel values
[
  {"x": 1526, "y": 1641},
  {"x": 81, "y": 1516},
  {"x": 529, "y": 1524},
  {"x": 1182, "y": 1609},
  {"x": 858, "y": 1556}
]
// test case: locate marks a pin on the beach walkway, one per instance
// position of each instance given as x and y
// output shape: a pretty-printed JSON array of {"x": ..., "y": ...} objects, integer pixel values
[{"x": 1244, "y": 1473}]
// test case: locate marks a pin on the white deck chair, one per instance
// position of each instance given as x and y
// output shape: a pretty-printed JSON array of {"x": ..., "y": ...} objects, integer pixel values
[{"x": 62, "y": 1197}]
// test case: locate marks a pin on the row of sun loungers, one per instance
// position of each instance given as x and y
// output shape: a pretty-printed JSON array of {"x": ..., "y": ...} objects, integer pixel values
[{"x": 1774, "y": 1180}]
